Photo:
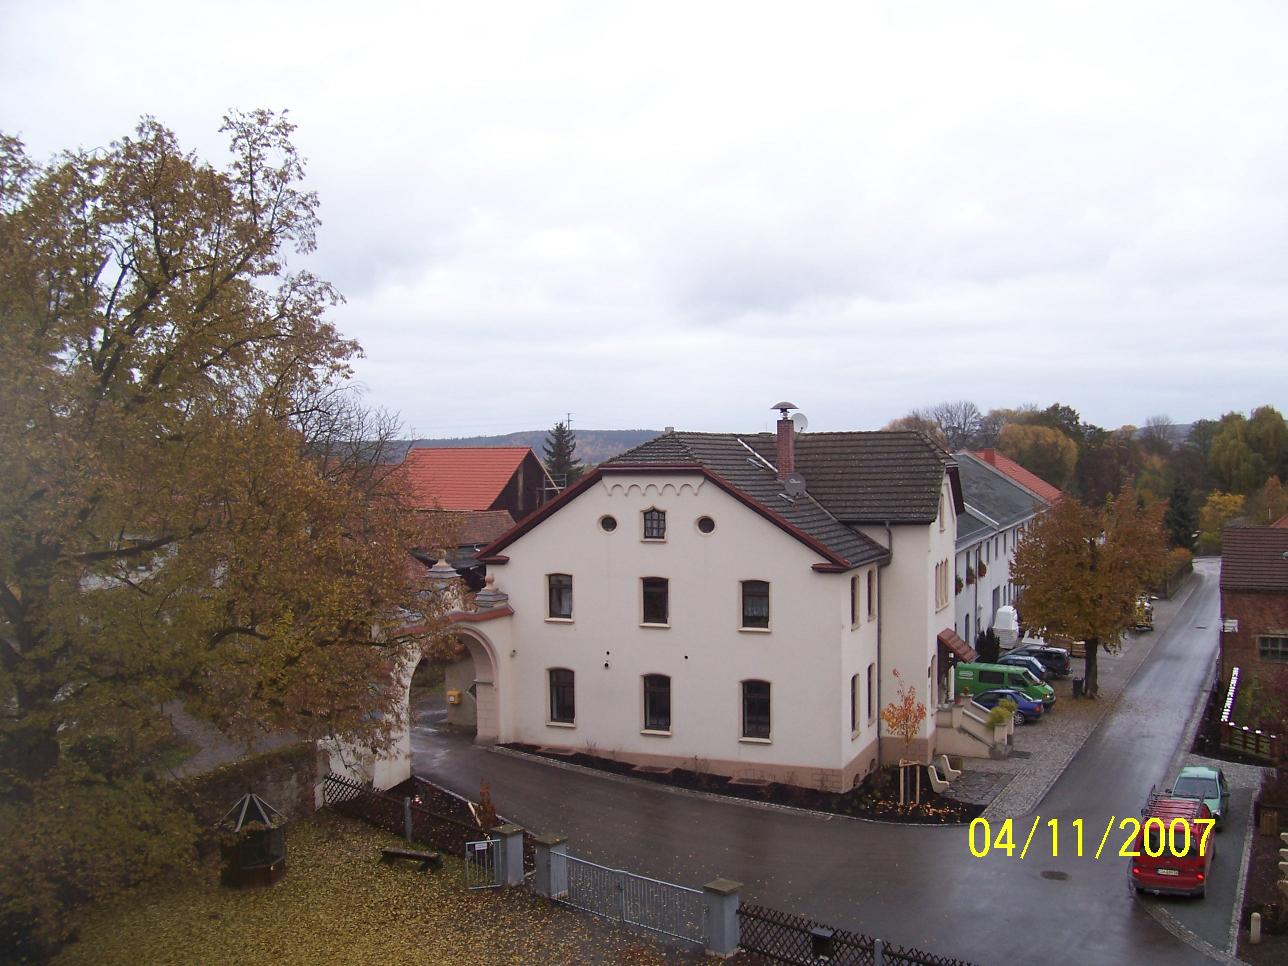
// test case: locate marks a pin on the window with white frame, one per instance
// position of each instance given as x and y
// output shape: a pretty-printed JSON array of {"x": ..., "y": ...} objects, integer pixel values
[
  {"x": 872, "y": 593},
  {"x": 657, "y": 702},
  {"x": 872, "y": 693},
  {"x": 854, "y": 600},
  {"x": 563, "y": 704},
  {"x": 755, "y": 604},
  {"x": 854, "y": 703},
  {"x": 755, "y": 709},
  {"x": 559, "y": 596},
  {"x": 655, "y": 603}
]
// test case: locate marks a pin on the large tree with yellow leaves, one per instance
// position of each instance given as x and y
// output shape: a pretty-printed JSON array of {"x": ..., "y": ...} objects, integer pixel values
[{"x": 178, "y": 519}]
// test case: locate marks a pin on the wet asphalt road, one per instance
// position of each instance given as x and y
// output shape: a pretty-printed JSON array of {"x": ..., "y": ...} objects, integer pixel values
[{"x": 912, "y": 885}]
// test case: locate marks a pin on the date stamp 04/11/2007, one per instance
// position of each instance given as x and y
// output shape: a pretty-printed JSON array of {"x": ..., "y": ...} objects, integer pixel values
[{"x": 1154, "y": 837}]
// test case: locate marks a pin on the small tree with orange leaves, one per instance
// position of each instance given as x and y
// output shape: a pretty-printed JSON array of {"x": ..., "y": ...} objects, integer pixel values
[{"x": 903, "y": 717}]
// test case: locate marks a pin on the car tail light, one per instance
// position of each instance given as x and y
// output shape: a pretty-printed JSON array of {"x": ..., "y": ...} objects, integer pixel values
[
  {"x": 1135, "y": 870},
  {"x": 1201, "y": 876}
]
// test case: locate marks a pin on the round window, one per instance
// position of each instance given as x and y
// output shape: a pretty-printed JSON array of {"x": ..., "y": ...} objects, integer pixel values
[
  {"x": 608, "y": 523},
  {"x": 706, "y": 524}
]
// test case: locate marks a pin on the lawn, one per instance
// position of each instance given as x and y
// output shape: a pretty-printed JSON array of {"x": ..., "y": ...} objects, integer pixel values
[{"x": 338, "y": 903}]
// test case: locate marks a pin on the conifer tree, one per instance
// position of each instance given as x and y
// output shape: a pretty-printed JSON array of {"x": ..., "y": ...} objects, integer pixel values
[{"x": 561, "y": 455}]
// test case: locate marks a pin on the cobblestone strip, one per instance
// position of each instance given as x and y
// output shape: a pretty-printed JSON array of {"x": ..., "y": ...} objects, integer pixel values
[{"x": 1056, "y": 748}]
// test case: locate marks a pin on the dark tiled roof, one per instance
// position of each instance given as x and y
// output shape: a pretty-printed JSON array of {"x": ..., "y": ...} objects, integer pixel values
[
  {"x": 725, "y": 455},
  {"x": 882, "y": 477},
  {"x": 969, "y": 525},
  {"x": 993, "y": 494},
  {"x": 1012, "y": 469},
  {"x": 1252, "y": 558}
]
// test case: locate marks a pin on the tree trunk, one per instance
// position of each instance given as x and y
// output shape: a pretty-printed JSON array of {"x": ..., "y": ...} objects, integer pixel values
[{"x": 1091, "y": 679}]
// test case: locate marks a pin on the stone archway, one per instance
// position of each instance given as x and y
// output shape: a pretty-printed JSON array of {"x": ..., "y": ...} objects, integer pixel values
[{"x": 475, "y": 678}]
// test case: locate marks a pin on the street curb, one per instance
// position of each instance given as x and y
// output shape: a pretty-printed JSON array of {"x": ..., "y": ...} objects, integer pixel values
[
  {"x": 1190, "y": 585},
  {"x": 711, "y": 796}
]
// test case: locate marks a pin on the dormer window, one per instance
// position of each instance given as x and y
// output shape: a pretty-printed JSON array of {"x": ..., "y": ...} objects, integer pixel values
[{"x": 654, "y": 524}]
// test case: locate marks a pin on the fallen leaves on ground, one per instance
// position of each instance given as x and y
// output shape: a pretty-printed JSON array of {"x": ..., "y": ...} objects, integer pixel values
[{"x": 339, "y": 903}]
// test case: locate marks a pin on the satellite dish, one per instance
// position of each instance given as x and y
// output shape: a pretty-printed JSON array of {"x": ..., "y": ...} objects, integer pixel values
[
  {"x": 794, "y": 485},
  {"x": 801, "y": 422}
]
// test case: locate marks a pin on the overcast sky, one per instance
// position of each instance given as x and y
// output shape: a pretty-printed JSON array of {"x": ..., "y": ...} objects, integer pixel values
[{"x": 678, "y": 214}]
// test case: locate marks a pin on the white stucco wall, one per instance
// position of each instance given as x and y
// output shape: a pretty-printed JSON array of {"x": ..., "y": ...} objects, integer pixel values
[
  {"x": 997, "y": 551},
  {"x": 808, "y": 655}
]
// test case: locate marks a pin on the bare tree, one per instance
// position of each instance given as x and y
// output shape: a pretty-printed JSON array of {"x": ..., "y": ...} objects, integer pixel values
[
  {"x": 1159, "y": 435},
  {"x": 959, "y": 422}
]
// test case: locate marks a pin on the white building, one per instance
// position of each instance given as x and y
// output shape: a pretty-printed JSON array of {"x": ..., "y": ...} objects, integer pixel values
[
  {"x": 733, "y": 604},
  {"x": 998, "y": 508}
]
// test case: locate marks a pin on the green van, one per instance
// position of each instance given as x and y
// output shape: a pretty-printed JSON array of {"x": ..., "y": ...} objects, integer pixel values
[{"x": 986, "y": 677}]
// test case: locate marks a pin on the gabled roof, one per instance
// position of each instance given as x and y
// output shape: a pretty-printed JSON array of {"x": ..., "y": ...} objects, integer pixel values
[
  {"x": 464, "y": 478},
  {"x": 994, "y": 494},
  {"x": 892, "y": 476},
  {"x": 1014, "y": 471},
  {"x": 734, "y": 468},
  {"x": 1253, "y": 558},
  {"x": 970, "y": 527}
]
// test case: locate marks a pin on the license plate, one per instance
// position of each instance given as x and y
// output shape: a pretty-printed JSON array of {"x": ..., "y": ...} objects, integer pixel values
[{"x": 1167, "y": 872}]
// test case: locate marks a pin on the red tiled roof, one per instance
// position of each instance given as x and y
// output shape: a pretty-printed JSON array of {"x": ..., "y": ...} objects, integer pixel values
[
  {"x": 1281, "y": 522},
  {"x": 483, "y": 526},
  {"x": 1013, "y": 470},
  {"x": 1253, "y": 558},
  {"x": 948, "y": 637},
  {"x": 462, "y": 478}
]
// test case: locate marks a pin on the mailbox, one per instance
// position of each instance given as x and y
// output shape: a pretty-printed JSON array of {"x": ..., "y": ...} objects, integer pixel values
[{"x": 453, "y": 696}]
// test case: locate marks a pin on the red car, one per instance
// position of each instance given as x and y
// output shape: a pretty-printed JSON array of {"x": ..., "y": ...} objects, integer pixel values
[{"x": 1173, "y": 847}]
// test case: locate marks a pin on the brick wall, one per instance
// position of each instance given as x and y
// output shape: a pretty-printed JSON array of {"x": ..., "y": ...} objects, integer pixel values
[{"x": 1257, "y": 614}]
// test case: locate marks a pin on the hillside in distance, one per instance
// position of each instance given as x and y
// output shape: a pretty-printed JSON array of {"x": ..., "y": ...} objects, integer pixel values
[{"x": 593, "y": 445}]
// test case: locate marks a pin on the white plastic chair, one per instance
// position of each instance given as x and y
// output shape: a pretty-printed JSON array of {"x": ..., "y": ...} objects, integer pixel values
[
  {"x": 938, "y": 784},
  {"x": 948, "y": 770}
]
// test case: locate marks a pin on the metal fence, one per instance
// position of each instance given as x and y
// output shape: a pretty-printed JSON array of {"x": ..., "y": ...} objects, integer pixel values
[
  {"x": 636, "y": 900},
  {"x": 782, "y": 937},
  {"x": 481, "y": 870},
  {"x": 392, "y": 814}
]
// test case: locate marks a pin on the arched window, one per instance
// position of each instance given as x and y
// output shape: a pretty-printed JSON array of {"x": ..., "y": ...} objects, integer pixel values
[
  {"x": 654, "y": 524},
  {"x": 657, "y": 702},
  {"x": 872, "y": 693},
  {"x": 854, "y": 703},
  {"x": 872, "y": 593},
  {"x": 563, "y": 699}
]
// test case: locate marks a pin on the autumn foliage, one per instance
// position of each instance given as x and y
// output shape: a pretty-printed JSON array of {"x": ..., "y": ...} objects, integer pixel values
[
  {"x": 1080, "y": 570},
  {"x": 174, "y": 526},
  {"x": 903, "y": 717}
]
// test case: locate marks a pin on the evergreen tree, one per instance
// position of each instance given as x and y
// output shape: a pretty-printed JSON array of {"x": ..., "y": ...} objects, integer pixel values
[
  {"x": 1180, "y": 520},
  {"x": 988, "y": 646},
  {"x": 561, "y": 455}
]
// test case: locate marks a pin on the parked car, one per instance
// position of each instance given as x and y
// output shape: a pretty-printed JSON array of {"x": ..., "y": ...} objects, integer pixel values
[
  {"x": 1025, "y": 661},
  {"x": 1180, "y": 870},
  {"x": 1026, "y": 709},
  {"x": 1208, "y": 784},
  {"x": 1055, "y": 659},
  {"x": 979, "y": 678}
]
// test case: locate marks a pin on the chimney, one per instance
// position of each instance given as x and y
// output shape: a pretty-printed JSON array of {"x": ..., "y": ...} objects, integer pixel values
[{"x": 786, "y": 440}]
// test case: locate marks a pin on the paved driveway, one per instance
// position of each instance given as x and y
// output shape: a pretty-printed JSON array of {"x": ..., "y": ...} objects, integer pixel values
[{"x": 912, "y": 885}]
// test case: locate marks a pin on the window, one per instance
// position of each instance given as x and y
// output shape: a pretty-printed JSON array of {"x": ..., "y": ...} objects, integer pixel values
[
  {"x": 563, "y": 707},
  {"x": 755, "y": 603},
  {"x": 854, "y": 704},
  {"x": 872, "y": 693},
  {"x": 654, "y": 524},
  {"x": 657, "y": 702},
  {"x": 559, "y": 596},
  {"x": 608, "y": 523},
  {"x": 755, "y": 709},
  {"x": 966, "y": 636},
  {"x": 656, "y": 608},
  {"x": 941, "y": 511},
  {"x": 941, "y": 585},
  {"x": 1273, "y": 649},
  {"x": 706, "y": 524},
  {"x": 992, "y": 677},
  {"x": 872, "y": 593},
  {"x": 854, "y": 600}
]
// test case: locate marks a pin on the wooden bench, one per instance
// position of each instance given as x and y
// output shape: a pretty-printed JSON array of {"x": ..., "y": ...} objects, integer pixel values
[{"x": 427, "y": 860}]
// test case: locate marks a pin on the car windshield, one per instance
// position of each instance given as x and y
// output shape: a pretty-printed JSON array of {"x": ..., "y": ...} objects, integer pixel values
[
  {"x": 1030, "y": 679},
  {"x": 1192, "y": 787}
]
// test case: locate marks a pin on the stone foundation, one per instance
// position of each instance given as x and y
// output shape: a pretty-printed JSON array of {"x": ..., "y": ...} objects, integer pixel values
[{"x": 805, "y": 776}]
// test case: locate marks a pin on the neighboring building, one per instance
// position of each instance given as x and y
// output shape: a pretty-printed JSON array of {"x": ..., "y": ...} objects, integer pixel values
[
  {"x": 1051, "y": 495},
  {"x": 732, "y": 603},
  {"x": 1254, "y": 600},
  {"x": 476, "y": 479},
  {"x": 998, "y": 509}
]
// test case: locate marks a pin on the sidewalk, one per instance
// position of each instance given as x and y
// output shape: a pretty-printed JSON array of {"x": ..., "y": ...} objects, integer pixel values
[{"x": 1014, "y": 786}]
